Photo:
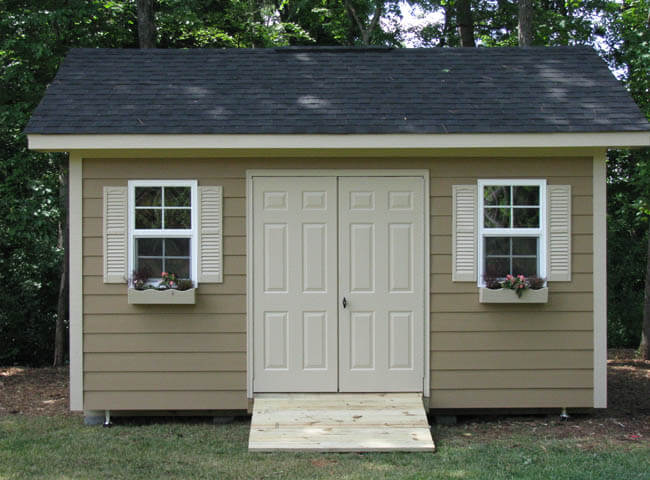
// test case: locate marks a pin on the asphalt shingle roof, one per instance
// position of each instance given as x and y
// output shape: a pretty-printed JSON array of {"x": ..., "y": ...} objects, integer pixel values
[{"x": 335, "y": 90}]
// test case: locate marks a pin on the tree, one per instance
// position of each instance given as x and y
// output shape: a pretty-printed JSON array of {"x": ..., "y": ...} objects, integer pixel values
[
  {"x": 525, "y": 26},
  {"x": 365, "y": 28},
  {"x": 146, "y": 25},
  {"x": 628, "y": 39},
  {"x": 465, "y": 23}
]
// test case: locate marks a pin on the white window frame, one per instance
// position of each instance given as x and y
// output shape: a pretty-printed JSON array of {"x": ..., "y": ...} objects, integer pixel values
[
  {"x": 192, "y": 233},
  {"x": 540, "y": 232}
]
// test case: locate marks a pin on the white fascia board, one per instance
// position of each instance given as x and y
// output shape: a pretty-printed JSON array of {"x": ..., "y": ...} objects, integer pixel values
[{"x": 379, "y": 141}]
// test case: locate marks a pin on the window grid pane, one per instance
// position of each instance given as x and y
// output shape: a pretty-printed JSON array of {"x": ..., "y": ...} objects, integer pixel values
[
  {"x": 508, "y": 262},
  {"x": 151, "y": 209},
  {"x": 500, "y": 214},
  {"x": 180, "y": 264}
]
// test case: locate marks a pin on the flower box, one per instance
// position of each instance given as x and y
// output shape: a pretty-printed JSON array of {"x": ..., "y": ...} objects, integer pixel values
[
  {"x": 507, "y": 295},
  {"x": 162, "y": 297}
]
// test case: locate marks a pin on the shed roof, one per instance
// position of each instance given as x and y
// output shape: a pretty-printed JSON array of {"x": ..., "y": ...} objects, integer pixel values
[{"x": 313, "y": 90}]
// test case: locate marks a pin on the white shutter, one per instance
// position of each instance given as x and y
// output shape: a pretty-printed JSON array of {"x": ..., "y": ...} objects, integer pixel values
[
  {"x": 115, "y": 234},
  {"x": 559, "y": 232},
  {"x": 210, "y": 234},
  {"x": 464, "y": 233}
]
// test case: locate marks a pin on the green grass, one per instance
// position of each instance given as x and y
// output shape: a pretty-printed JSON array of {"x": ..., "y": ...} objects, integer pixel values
[{"x": 62, "y": 448}]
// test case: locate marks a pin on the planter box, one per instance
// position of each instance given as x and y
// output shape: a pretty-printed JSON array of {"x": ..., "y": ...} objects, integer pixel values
[
  {"x": 162, "y": 297},
  {"x": 506, "y": 295}
]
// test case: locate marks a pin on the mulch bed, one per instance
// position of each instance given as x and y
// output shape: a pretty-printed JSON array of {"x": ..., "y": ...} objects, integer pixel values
[{"x": 44, "y": 392}]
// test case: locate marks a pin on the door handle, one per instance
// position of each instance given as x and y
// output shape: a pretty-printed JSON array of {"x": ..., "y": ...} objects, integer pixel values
[{"x": 345, "y": 302}]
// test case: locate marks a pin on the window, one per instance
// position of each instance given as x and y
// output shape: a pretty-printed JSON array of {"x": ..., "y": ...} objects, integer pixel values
[
  {"x": 162, "y": 227},
  {"x": 512, "y": 228}
]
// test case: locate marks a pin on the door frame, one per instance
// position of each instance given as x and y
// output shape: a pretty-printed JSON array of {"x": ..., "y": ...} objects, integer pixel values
[{"x": 250, "y": 267}]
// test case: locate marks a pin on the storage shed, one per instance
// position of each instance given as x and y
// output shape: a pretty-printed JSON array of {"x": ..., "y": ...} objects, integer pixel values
[{"x": 345, "y": 216}]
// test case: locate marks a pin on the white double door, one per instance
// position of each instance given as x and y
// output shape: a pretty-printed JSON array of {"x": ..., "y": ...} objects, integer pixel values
[{"x": 338, "y": 284}]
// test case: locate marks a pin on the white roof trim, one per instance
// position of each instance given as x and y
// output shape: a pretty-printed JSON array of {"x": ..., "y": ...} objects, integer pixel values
[{"x": 378, "y": 141}]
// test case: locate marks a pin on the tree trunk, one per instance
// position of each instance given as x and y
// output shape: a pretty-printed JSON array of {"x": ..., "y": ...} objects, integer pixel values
[
  {"x": 465, "y": 23},
  {"x": 446, "y": 29},
  {"x": 525, "y": 23},
  {"x": 62, "y": 304},
  {"x": 365, "y": 31},
  {"x": 146, "y": 27},
  {"x": 645, "y": 330}
]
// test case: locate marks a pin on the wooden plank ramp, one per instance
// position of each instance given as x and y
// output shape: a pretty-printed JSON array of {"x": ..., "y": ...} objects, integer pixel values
[{"x": 339, "y": 422}]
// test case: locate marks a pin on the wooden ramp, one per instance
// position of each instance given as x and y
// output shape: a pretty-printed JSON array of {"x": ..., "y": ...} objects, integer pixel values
[{"x": 339, "y": 422}]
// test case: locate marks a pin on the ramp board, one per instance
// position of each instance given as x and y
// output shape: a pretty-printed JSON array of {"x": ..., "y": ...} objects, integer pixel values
[{"x": 339, "y": 422}]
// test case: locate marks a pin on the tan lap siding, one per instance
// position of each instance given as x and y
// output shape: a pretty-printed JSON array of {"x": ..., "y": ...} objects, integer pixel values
[
  {"x": 511, "y": 356},
  {"x": 151, "y": 357},
  {"x": 156, "y": 357}
]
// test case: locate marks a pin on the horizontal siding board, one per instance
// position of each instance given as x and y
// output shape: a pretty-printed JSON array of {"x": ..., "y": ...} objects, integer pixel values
[
  {"x": 582, "y": 204},
  {"x": 512, "y": 398},
  {"x": 511, "y": 321},
  {"x": 166, "y": 400},
  {"x": 162, "y": 168},
  {"x": 468, "y": 302},
  {"x": 165, "y": 323},
  {"x": 117, "y": 304},
  {"x": 498, "y": 379},
  {"x": 511, "y": 340},
  {"x": 166, "y": 362},
  {"x": 164, "y": 342},
  {"x": 168, "y": 381},
  {"x": 527, "y": 360},
  {"x": 523, "y": 167}
]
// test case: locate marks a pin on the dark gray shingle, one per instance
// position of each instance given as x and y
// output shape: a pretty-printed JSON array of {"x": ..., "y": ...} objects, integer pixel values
[{"x": 329, "y": 90}]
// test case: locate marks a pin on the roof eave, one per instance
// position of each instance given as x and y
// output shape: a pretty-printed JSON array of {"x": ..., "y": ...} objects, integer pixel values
[{"x": 91, "y": 142}]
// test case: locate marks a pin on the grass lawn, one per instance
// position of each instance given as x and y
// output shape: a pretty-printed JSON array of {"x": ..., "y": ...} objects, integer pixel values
[{"x": 62, "y": 448}]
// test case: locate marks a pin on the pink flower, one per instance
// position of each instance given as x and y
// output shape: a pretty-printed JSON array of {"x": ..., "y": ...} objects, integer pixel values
[
  {"x": 171, "y": 283},
  {"x": 521, "y": 277},
  {"x": 164, "y": 274}
]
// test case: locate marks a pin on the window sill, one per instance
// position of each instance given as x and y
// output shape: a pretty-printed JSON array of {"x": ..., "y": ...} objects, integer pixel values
[
  {"x": 162, "y": 297},
  {"x": 506, "y": 295}
]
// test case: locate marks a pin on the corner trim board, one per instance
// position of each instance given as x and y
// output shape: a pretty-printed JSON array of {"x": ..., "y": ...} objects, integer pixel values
[
  {"x": 76, "y": 283},
  {"x": 600, "y": 279}
]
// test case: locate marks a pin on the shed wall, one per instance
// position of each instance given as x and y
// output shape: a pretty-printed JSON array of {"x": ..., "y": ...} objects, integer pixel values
[{"x": 184, "y": 357}]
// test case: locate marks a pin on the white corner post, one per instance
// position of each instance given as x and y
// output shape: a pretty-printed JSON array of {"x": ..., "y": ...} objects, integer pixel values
[
  {"x": 76, "y": 282},
  {"x": 600, "y": 278}
]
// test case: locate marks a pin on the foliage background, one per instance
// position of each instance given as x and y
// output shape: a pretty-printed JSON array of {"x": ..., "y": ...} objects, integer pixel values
[{"x": 35, "y": 35}]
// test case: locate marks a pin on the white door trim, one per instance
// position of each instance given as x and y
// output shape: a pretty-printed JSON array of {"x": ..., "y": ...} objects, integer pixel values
[{"x": 250, "y": 270}]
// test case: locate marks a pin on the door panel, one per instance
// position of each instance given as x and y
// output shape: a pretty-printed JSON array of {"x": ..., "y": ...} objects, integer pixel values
[
  {"x": 318, "y": 240},
  {"x": 381, "y": 250},
  {"x": 295, "y": 284}
]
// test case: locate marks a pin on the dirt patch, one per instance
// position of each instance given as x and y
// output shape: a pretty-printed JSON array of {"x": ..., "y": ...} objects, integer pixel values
[
  {"x": 625, "y": 421},
  {"x": 44, "y": 391},
  {"x": 34, "y": 391}
]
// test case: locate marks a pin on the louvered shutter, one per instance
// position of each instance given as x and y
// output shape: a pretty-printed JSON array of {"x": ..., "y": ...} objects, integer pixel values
[
  {"x": 115, "y": 234},
  {"x": 464, "y": 233},
  {"x": 559, "y": 232},
  {"x": 210, "y": 234}
]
